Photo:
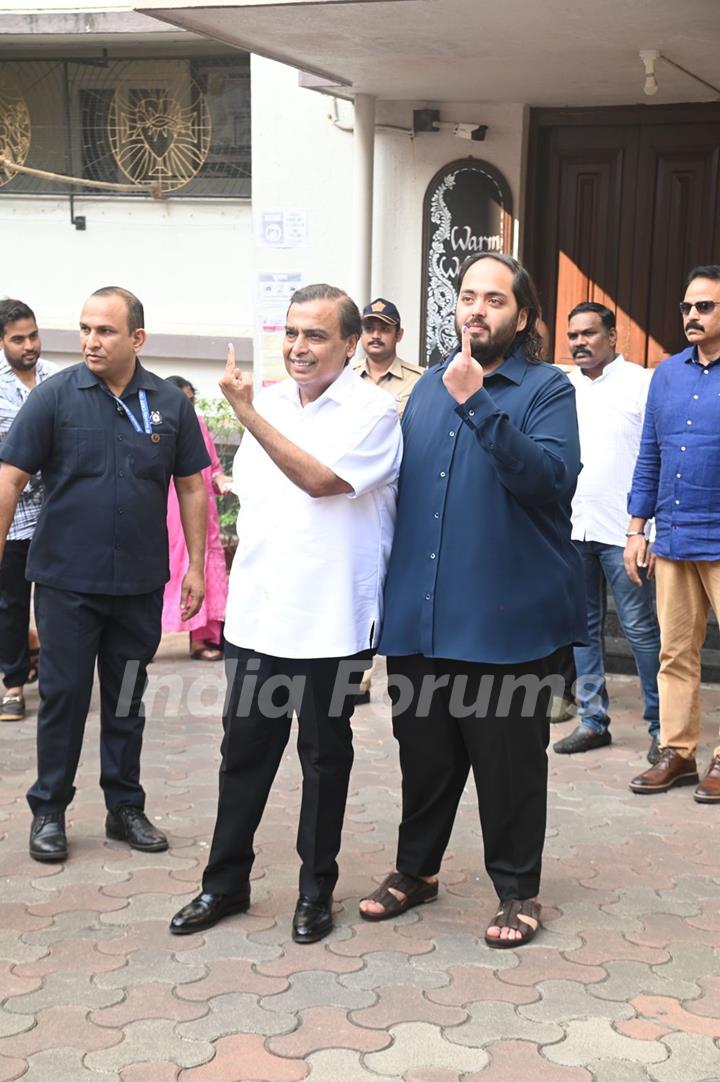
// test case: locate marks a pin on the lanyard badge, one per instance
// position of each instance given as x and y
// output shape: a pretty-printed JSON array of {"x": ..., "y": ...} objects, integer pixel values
[{"x": 147, "y": 423}]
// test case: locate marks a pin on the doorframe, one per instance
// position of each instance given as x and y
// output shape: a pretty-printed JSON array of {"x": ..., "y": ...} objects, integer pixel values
[{"x": 593, "y": 116}]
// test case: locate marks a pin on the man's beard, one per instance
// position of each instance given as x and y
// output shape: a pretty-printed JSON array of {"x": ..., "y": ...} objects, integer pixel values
[{"x": 495, "y": 346}]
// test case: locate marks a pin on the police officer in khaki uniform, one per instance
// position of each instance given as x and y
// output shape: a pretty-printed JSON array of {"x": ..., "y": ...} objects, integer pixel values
[{"x": 381, "y": 332}]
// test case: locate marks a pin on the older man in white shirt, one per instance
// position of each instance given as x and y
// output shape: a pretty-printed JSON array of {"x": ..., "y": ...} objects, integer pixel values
[
  {"x": 316, "y": 474},
  {"x": 610, "y": 395}
]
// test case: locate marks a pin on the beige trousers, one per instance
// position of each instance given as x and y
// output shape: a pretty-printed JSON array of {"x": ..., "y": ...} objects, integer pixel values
[{"x": 685, "y": 591}]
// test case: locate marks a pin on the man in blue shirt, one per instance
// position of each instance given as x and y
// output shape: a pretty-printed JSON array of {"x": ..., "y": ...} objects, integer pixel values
[
  {"x": 108, "y": 436},
  {"x": 481, "y": 594},
  {"x": 21, "y": 371},
  {"x": 677, "y": 479}
]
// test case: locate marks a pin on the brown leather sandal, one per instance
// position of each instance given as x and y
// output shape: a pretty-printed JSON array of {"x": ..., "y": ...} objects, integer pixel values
[
  {"x": 510, "y": 915},
  {"x": 416, "y": 892}
]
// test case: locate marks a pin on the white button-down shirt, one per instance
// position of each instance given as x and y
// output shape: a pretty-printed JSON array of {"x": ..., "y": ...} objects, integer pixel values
[
  {"x": 611, "y": 410},
  {"x": 308, "y": 574}
]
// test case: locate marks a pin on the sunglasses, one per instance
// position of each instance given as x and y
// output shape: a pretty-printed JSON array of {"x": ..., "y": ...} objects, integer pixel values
[{"x": 703, "y": 308}]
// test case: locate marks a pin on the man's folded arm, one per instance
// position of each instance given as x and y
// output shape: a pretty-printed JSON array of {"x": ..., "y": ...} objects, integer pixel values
[{"x": 540, "y": 463}]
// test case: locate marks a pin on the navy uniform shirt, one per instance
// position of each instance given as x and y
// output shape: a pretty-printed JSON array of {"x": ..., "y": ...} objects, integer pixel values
[
  {"x": 482, "y": 567},
  {"x": 102, "y": 528},
  {"x": 677, "y": 474}
]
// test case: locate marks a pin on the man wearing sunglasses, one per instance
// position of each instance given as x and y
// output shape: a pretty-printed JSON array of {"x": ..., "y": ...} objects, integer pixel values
[{"x": 677, "y": 479}]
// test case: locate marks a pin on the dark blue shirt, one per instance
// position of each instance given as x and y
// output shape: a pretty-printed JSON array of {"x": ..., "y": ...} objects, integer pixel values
[
  {"x": 102, "y": 528},
  {"x": 482, "y": 566},
  {"x": 677, "y": 474}
]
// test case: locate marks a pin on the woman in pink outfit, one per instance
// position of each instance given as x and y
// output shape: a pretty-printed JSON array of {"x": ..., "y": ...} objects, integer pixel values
[{"x": 206, "y": 626}]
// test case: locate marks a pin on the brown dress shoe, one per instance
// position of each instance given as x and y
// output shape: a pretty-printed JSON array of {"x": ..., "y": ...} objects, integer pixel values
[
  {"x": 708, "y": 791},
  {"x": 670, "y": 769}
]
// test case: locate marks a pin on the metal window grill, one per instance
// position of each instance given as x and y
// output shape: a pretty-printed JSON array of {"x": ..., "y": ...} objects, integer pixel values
[{"x": 180, "y": 124}]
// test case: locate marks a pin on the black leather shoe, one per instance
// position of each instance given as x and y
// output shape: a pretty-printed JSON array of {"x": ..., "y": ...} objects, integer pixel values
[
  {"x": 128, "y": 823},
  {"x": 206, "y": 910},
  {"x": 313, "y": 919},
  {"x": 48, "y": 840},
  {"x": 653, "y": 755},
  {"x": 582, "y": 739}
]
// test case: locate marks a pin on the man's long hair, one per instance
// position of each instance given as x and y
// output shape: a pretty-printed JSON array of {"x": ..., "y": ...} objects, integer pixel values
[{"x": 526, "y": 296}]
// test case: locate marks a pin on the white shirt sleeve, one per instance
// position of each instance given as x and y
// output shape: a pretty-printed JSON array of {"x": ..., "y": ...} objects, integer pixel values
[{"x": 374, "y": 460}]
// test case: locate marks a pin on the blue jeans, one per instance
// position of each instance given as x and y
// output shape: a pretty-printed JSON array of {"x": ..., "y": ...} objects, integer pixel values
[{"x": 636, "y": 612}]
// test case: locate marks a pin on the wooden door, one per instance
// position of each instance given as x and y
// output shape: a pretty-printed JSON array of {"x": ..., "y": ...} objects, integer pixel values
[{"x": 621, "y": 204}]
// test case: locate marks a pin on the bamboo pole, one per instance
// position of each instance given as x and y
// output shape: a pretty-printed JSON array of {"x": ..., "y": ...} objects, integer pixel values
[{"x": 153, "y": 188}]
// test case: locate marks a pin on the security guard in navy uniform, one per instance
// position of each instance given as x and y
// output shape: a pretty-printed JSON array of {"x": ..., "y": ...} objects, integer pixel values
[{"x": 108, "y": 436}]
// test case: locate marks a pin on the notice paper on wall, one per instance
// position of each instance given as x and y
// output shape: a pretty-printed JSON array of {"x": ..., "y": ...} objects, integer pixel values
[
  {"x": 281, "y": 228},
  {"x": 274, "y": 289}
]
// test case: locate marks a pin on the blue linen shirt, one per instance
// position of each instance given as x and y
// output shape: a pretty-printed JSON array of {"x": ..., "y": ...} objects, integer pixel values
[
  {"x": 677, "y": 474},
  {"x": 102, "y": 527},
  {"x": 482, "y": 567}
]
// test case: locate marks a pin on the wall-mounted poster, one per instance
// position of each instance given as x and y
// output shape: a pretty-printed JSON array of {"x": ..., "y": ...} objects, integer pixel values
[{"x": 467, "y": 208}]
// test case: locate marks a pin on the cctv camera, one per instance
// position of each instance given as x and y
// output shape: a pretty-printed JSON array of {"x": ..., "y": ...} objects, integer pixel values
[{"x": 463, "y": 131}]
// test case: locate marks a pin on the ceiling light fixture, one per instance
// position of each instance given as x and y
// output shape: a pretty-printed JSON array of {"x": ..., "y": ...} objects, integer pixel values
[{"x": 648, "y": 57}]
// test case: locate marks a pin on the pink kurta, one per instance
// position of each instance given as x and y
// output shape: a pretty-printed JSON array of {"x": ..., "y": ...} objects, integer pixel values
[{"x": 213, "y": 607}]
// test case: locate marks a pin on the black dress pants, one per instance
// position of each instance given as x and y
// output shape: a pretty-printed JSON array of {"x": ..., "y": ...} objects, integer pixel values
[
  {"x": 122, "y": 633},
  {"x": 472, "y": 719},
  {"x": 14, "y": 614},
  {"x": 257, "y": 718}
]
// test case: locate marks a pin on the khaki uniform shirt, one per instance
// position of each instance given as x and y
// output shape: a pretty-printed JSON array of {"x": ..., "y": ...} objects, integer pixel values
[{"x": 398, "y": 381}]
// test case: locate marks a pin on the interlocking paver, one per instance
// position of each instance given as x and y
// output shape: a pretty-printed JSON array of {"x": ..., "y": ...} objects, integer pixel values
[
  {"x": 245, "y": 1057},
  {"x": 615, "y": 1070},
  {"x": 668, "y": 1012},
  {"x": 235, "y": 975},
  {"x": 623, "y": 970},
  {"x": 144, "y": 966},
  {"x": 10, "y": 1069},
  {"x": 326, "y": 1027},
  {"x": 542, "y": 963},
  {"x": 69, "y": 955},
  {"x": 594, "y": 1038},
  {"x": 294, "y": 959},
  {"x": 418, "y": 1045},
  {"x": 238, "y": 1011},
  {"x": 151, "y": 1000},
  {"x": 60, "y": 1027},
  {"x": 146, "y": 1041},
  {"x": 317, "y": 989},
  {"x": 150, "y": 1072},
  {"x": 62, "y": 1065},
  {"x": 693, "y": 1058},
  {"x": 490, "y": 1021},
  {"x": 626, "y": 979},
  {"x": 12, "y": 984},
  {"x": 340, "y": 1064},
  {"x": 401, "y": 1003},
  {"x": 64, "y": 990},
  {"x": 563, "y": 1000},
  {"x": 521, "y": 1061},
  {"x": 385, "y": 967}
]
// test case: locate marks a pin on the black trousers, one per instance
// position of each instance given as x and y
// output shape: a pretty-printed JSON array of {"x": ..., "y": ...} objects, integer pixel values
[
  {"x": 76, "y": 629},
  {"x": 257, "y": 717},
  {"x": 470, "y": 721},
  {"x": 14, "y": 614}
]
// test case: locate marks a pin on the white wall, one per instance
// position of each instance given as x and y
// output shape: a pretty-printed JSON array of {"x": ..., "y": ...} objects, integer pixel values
[
  {"x": 301, "y": 160},
  {"x": 192, "y": 262},
  {"x": 189, "y": 261}
]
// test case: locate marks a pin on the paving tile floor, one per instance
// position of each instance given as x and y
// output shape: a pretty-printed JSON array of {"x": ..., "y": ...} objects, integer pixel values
[{"x": 622, "y": 985}]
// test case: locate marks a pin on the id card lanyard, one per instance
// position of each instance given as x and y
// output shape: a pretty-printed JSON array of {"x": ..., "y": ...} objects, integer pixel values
[{"x": 146, "y": 425}]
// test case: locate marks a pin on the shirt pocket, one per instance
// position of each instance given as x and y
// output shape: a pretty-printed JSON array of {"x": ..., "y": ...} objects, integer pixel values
[
  {"x": 84, "y": 451},
  {"x": 153, "y": 461}
]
